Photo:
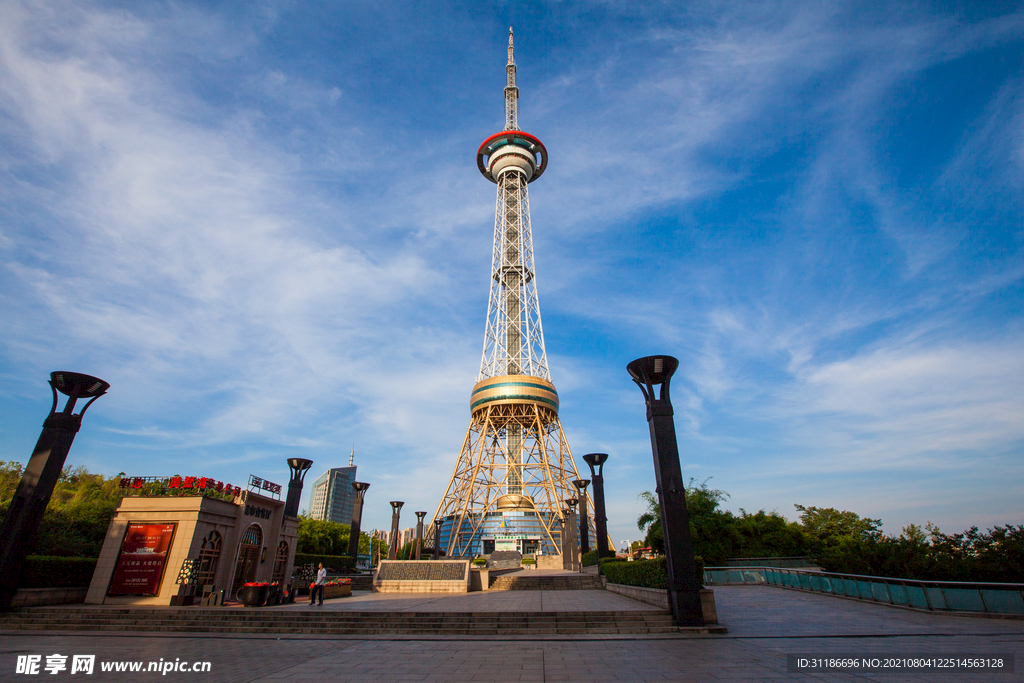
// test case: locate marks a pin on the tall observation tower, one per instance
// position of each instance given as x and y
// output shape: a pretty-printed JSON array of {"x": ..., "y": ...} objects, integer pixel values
[{"x": 515, "y": 469}]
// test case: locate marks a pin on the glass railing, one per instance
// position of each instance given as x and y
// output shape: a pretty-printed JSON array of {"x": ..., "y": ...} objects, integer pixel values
[{"x": 937, "y": 596}]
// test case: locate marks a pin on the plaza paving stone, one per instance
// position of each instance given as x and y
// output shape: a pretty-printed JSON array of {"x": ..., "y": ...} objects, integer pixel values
[{"x": 765, "y": 624}]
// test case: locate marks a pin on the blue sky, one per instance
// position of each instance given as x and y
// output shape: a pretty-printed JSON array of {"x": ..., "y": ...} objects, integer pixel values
[{"x": 262, "y": 223}]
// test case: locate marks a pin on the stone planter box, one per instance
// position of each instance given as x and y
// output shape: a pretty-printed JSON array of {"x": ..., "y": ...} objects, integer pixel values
[
  {"x": 253, "y": 596},
  {"x": 337, "y": 592}
]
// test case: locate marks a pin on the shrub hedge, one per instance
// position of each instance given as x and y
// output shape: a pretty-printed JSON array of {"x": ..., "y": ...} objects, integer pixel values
[
  {"x": 332, "y": 562},
  {"x": 48, "y": 571},
  {"x": 643, "y": 573}
]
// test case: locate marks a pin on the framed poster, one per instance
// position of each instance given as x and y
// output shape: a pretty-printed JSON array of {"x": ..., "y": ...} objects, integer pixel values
[{"x": 140, "y": 564}]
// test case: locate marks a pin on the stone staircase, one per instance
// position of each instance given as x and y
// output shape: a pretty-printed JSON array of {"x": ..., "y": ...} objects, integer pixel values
[
  {"x": 524, "y": 581},
  {"x": 363, "y": 582},
  {"x": 231, "y": 620}
]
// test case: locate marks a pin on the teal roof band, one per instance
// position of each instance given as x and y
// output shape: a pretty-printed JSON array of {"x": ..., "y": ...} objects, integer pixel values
[
  {"x": 510, "y": 397},
  {"x": 516, "y": 384}
]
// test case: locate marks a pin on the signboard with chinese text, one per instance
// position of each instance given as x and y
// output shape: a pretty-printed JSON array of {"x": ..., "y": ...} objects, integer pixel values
[{"x": 140, "y": 564}]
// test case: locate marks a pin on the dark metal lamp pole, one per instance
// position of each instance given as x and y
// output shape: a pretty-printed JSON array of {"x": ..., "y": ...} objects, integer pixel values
[
  {"x": 298, "y": 468},
  {"x": 683, "y": 583},
  {"x": 396, "y": 507},
  {"x": 437, "y": 538},
  {"x": 582, "y": 485},
  {"x": 419, "y": 533},
  {"x": 600, "y": 517},
  {"x": 41, "y": 474},
  {"x": 574, "y": 550},
  {"x": 357, "y": 520}
]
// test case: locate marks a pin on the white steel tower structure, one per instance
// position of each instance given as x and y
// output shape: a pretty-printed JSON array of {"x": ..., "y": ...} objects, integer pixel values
[{"x": 515, "y": 469}]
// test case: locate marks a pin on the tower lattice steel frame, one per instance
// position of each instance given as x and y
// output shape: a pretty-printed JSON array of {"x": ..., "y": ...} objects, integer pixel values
[{"x": 515, "y": 463}]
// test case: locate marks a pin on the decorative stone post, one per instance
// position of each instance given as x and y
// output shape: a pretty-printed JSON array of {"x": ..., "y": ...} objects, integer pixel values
[
  {"x": 357, "y": 520},
  {"x": 41, "y": 474},
  {"x": 600, "y": 517},
  {"x": 396, "y": 507},
  {"x": 419, "y": 533},
  {"x": 683, "y": 583}
]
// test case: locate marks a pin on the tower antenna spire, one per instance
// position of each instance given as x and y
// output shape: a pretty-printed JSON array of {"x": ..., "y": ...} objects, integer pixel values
[
  {"x": 511, "y": 91},
  {"x": 352, "y": 455}
]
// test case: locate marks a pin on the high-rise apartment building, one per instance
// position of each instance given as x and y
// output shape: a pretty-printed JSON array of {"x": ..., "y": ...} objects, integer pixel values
[{"x": 332, "y": 496}]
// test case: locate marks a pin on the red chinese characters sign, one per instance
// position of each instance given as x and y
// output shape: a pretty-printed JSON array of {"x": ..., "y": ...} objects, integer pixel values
[{"x": 141, "y": 561}]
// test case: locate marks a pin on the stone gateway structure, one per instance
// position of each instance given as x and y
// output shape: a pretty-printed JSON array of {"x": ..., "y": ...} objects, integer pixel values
[{"x": 154, "y": 542}]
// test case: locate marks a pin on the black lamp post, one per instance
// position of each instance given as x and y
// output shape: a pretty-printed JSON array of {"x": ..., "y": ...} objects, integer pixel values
[
  {"x": 41, "y": 474},
  {"x": 357, "y": 519},
  {"x": 437, "y": 538},
  {"x": 419, "y": 533},
  {"x": 570, "y": 523},
  {"x": 683, "y": 583},
  {"x": 582, "y": 485},
  {"x": 396, "y": 506},
  {"x": 600, "y": 518},
  {"x": 298, "y": 468},
  {"x": 566, "y": 552}
]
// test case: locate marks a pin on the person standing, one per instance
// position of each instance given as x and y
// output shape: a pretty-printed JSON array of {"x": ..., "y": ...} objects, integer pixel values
[{"x": 318, "y": 586}]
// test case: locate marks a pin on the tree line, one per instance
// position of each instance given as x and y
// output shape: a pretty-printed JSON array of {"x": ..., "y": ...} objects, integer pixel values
[{"x": 841, "y": 541}]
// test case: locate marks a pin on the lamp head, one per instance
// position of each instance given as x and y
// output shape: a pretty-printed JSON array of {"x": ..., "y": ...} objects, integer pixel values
[
  {"x": 396, "y": 505},
  {"x": 651, "y": 371},
  {"x": 75, "y": 385},
  {"x": 581, "y": 484},
  {"x": 595, "y": 460}
]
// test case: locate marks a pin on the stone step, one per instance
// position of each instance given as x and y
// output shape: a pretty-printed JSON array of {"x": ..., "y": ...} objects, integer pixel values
[
  {"x": 342, "y": 623},
  {"x": 526, "y": 582}
]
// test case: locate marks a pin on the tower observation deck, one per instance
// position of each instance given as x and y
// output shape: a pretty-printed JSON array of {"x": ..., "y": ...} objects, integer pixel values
[{"x": 515, "y": 469}]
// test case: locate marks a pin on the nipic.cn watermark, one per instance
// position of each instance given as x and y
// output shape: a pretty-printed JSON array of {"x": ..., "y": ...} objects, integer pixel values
[{"x": 32, "y": 665}]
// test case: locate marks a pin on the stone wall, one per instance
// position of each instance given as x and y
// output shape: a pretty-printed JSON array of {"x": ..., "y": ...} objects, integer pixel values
[{"x": 659, "y": 598}]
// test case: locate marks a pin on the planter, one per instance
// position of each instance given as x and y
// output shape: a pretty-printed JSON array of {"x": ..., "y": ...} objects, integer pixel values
[
  {"x": 253, "y": 596},
  {"x": 337, "y": 592}
]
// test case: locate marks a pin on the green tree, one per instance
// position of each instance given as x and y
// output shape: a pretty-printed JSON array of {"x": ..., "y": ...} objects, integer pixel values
[
  {"x": 320, "y": 537},
  {"x": 842, "y": 541}
]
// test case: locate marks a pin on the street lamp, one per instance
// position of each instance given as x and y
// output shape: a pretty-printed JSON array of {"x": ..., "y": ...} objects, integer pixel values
[
  {"x": 419, "y": 533},
  {"x": 683, "y": 583},
  {"x": 597, "y": 460},
  {"x": 571, "y": 531},
  {"x": 357, "y": 519},
  {"x": 437, "y": 538},
  {"x": 396, "y": 507},
  {"x": 582, "y": 485},
  {"x": 298, "y": 468},
  {"x": 26, "y": 508}
]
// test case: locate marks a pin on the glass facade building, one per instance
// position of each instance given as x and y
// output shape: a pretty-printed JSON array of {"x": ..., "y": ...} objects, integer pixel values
[{"x": 332, "y": 496}]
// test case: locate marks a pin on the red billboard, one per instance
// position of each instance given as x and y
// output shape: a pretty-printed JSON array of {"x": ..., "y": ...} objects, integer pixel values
[{"x": 140, "y": 564}]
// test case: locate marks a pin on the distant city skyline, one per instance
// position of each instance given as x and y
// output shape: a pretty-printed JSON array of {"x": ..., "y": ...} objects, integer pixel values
[{"x": 263, "y": 225}]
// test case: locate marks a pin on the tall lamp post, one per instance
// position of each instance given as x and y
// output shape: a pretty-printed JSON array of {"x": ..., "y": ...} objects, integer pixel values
[
  {"x": 41, "y": 474},
  {"x": 597, "y": 460},
  {"x": 570, "y": 524},
  {"x": 582, "y": 485},
  {"x": 437, "y": 538},
  {"x": 683, "y": 584},
  {"x": 298, "y": 468},
  {"x": 357, "y": 519},
  {"x": 419, "y": 533},
  {"x": 396, "y": 507}
]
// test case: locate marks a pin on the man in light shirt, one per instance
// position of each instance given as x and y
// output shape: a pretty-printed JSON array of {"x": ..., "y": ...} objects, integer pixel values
[{"x": 318, "y": 587}]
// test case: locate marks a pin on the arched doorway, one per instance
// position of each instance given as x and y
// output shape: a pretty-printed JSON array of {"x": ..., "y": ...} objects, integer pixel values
[{"x": 248, "y": 556}]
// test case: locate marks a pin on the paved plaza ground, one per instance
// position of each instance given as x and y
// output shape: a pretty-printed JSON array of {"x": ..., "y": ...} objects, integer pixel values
[{"x": 765, "y": 625}]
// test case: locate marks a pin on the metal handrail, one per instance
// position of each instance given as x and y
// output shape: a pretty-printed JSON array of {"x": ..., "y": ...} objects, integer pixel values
[{"x": 937, "y": 596}]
